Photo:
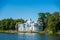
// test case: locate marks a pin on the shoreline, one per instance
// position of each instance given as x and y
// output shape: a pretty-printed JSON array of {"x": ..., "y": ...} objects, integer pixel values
[
  {"x": 13, "y": 31},
  {"x": 16, "y": 32}
]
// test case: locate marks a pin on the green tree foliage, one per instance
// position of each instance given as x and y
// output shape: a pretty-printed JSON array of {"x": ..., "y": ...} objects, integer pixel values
[
  {"x": 53, "y": 22},
  {"x": 50, "y": 21},
  {"x": 9, "y": 23},
  {"x": 20, "y": 20},
  {"x": 42, "y": 19}
]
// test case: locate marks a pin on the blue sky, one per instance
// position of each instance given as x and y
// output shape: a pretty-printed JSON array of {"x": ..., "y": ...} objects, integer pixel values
[{"x": 27, "y": 8}]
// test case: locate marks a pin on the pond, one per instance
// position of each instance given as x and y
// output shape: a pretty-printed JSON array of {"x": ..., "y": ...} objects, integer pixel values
[{"x": 28, "y": 36}]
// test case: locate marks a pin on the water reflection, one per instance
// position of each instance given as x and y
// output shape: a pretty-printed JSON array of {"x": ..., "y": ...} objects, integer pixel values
[
  {"x": 35, "y": 36},
  {"x": 28, "y": 36},
  {"x": 54, "y": 37}
]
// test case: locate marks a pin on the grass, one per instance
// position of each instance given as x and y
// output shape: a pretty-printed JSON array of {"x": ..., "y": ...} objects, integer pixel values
[
  {"x": 40, "y": 32},
  {"x": 58, "y": 32},
  {"x": 13, "y": 31},
  {"x": 7, "y": 31}
]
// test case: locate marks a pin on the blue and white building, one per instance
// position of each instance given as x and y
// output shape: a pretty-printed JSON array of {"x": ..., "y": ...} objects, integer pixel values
[{"x": 29, "y": 26}]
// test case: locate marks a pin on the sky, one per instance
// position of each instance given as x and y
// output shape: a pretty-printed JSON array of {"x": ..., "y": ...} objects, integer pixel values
[{"x": 26, "y": 9}]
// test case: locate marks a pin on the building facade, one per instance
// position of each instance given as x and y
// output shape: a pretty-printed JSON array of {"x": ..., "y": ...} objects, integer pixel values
[{"x": 29, "y": 26}]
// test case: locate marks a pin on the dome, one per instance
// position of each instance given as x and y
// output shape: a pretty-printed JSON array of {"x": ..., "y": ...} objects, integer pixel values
[{"x": 29, "y": 21}]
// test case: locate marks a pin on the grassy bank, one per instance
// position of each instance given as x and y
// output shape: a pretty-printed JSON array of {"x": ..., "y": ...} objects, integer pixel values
[
  {"x": 8, "y": 31},
  {"x": 14, "y": 31},
  {"x": 41, "y": 32}
]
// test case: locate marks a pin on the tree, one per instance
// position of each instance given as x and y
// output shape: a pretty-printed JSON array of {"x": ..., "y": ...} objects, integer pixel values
[
  {"x": 9, "y": 23},
  {"x": 20, "y": 20},
  {"x": 43, "y": 19},
  {"x": 49, "y": 21},
  {"x": 53, "y": 21}
]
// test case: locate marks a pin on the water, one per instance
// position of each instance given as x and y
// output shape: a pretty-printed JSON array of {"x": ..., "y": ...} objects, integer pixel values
[{"x": 28, "y": 36}]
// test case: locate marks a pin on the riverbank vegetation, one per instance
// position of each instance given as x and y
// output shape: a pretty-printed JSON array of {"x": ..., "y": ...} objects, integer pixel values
[
  {"x": 50, "y": 22},
  {"x": 9, "y": 23}
]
